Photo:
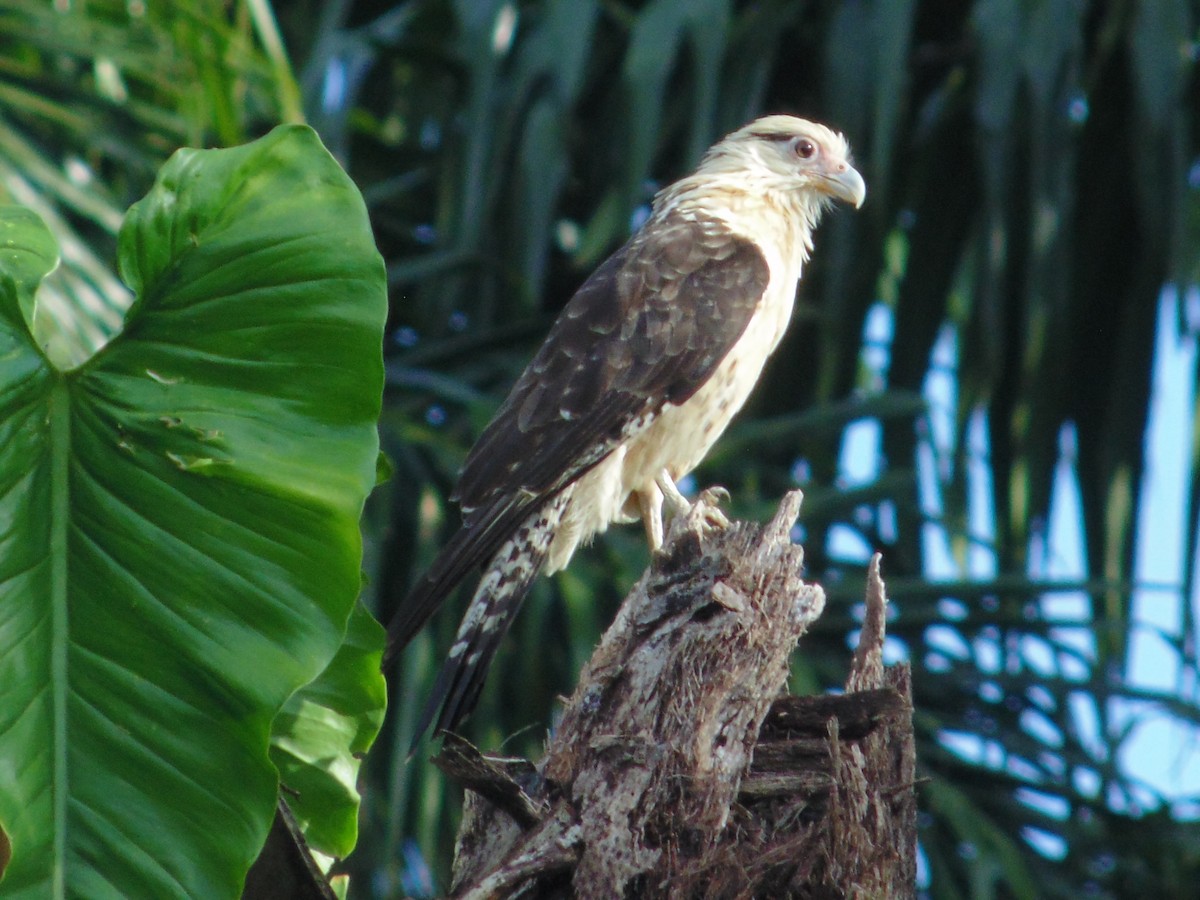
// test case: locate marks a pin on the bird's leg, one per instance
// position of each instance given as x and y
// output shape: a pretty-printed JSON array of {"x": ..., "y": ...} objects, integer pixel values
[
  {"x": 706, "y": 503},
  {"x": 666, "y": 484},
  {"x": 650, "y": 502}
]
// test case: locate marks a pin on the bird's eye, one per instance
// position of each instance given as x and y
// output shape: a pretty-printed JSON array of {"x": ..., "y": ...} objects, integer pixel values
[{"x": 805, "y": 149}]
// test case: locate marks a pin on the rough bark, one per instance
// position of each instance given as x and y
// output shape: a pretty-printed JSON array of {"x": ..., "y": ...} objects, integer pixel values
[{"x": 679, "y": 770}]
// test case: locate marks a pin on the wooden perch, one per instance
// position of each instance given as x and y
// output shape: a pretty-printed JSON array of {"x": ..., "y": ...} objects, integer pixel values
[{"x": 678, "y": 770}]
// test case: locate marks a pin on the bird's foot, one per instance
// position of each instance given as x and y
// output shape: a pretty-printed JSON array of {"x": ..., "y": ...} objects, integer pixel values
[
  {"x": 702, "y": 515},
  {"x": 678, "y": 504},
  {"x": 706, "y": 511},
  {"x": 715, "y": 495}
]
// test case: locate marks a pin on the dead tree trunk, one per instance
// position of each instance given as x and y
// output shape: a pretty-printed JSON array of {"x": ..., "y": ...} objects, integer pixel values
[{"x": 678, "y": 769}]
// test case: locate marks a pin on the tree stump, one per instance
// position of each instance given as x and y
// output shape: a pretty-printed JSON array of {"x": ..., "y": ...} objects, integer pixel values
[{"x": 678, "y": 770}]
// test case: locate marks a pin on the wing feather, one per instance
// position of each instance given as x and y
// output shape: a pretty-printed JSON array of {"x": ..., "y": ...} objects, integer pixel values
[{"x": 647, "y": 328}]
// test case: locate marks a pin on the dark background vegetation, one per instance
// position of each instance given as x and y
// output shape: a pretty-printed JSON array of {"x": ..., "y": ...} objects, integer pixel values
[{"x": 1034, "y": 182}]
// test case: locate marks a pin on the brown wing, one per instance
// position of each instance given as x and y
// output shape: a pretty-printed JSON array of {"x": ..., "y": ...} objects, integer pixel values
[{"x": 647, "y": 328}]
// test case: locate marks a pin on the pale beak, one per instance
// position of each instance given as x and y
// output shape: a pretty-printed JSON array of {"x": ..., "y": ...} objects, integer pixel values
[{"x": 844, "y": 183}]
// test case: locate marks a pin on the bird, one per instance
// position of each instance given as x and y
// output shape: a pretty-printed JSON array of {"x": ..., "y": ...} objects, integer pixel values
[{"x": 639, "y": 375}]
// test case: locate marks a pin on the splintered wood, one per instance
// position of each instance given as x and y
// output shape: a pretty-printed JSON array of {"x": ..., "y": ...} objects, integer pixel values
[{"x": 679, "y": 770}]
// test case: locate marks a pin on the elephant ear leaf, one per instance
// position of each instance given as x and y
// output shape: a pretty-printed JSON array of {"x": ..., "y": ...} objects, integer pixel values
[
  {"x": 28, "y": 253},
  {"x": 179, "y": 543},
  {"x": 322, "y": 732}
]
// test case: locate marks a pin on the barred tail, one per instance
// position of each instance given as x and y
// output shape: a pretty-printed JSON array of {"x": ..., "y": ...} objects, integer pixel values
[{"x": 495, "y": 604}]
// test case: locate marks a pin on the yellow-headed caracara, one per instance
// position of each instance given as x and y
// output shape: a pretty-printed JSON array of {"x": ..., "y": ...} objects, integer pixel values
[{"x": 638, "y": 377}]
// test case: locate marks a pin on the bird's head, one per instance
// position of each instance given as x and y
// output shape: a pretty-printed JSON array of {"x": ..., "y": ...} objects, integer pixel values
[{"x": 787, "y": 155}]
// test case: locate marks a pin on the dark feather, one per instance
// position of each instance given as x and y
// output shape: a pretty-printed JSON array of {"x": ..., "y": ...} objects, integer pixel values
[
  {"x": 492, "y": 610},
  {"x": 648, "y": 327},
  {"x": 461, "y": 555}
]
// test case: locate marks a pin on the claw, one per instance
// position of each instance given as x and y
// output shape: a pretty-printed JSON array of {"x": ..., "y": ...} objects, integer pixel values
[
  {"x": 705, "y": 512},
  {"x": 708, "y": 506}
]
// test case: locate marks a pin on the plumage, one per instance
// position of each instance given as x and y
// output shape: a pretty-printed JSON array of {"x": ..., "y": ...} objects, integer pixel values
[{"x": 640, "y": 374}]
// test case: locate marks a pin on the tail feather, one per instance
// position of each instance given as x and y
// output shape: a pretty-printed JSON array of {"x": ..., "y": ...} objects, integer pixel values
[
  {"x": 469, "y": 548},
  {"x": 488, "y": 618}
]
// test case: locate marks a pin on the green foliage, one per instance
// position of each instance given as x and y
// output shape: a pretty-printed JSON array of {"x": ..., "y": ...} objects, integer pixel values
[
  {"x": 322, "y": 733},
  {"x": 1026, "y": 192},
  {"x": 182, "y": 549},
  {"x": 93, "y": 98},
  {"x": 1028, "y": 166}
]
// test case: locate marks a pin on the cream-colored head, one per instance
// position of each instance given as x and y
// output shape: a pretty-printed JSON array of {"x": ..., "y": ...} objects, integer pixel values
[
  {"x": 788, "y": 162},
  {"x": 785, "y": 153}
]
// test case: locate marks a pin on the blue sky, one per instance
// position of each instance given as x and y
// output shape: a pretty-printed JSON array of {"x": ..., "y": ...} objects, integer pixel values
[{"x": 1159, "y": 751}]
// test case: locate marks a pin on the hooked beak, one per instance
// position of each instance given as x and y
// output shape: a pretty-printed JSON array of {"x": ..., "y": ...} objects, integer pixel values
[{"x": 844, "y": 183}]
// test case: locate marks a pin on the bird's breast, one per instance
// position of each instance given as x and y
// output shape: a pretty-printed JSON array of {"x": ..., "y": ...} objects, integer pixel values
[{"x": 680, "y": 436}]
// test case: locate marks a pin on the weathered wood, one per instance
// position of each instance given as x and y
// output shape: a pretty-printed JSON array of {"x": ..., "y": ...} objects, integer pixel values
[
  {"x": 678, "y": 770},
  {"x": 863, "y": 842},
  {"x": 496, "y": 779}
]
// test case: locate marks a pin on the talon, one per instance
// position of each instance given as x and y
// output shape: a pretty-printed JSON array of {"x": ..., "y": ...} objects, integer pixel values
[
  {"x": 715, "y": 495},
  {"x": 707, "y": 509},
  {"x": 715, "y": 519}
]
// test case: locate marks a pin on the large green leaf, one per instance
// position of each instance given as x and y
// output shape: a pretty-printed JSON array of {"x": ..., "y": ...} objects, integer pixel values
[
  {"x": 179, "y": 544},
  {"x": 322, "y": 733}
]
